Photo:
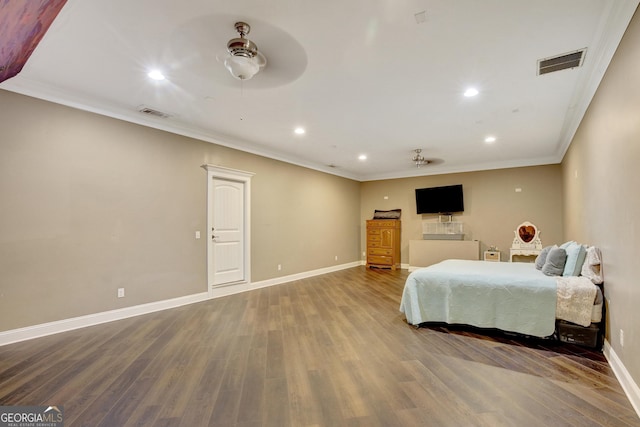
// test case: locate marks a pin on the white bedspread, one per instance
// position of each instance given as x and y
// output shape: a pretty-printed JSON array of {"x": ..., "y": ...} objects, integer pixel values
[{"x": 575, "y": 297}]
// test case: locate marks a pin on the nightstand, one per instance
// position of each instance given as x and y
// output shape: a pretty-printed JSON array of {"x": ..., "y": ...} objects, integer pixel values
[{"x": 492, "y": 256}]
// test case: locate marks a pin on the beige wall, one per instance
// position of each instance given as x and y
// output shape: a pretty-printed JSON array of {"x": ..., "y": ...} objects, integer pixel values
[
  {"x": 493, "y": 208},
  {"x": 601, "y": 177},
  {"x": 91, "y": 204}
]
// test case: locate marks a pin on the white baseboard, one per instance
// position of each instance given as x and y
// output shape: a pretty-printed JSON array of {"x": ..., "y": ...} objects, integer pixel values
[
  {"x": 50, "y": 328},
  {"x": 628, "y": 384},
  {"x": 243, "y": 287}
]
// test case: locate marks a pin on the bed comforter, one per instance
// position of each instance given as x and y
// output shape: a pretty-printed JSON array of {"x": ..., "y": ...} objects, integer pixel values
[{"x": 509, "y": 296}]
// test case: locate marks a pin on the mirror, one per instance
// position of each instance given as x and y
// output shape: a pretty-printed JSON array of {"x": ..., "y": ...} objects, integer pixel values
[
  {"x": 527, "y": 233},
  {"x": 527, "y": 236}
]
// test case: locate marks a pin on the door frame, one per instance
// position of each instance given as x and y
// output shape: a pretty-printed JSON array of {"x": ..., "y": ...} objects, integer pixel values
[{"x": 221, "y": 172}]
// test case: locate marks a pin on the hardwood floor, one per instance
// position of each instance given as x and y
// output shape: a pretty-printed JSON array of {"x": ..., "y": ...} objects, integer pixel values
[{"x": 332, "y": 350}]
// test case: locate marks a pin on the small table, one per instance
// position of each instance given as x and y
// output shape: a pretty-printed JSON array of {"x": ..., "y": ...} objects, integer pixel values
[{"x": 492, "y": 256}]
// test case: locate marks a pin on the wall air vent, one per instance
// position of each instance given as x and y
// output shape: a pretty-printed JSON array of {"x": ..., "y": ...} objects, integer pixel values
[
  {"x": 152, "y": 112},
  {"x": 561, "y": 62}
]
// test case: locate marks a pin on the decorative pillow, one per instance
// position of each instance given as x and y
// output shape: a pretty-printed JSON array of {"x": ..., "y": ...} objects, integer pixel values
[
  {"x": 542, "y": 256},
  {"x": 554, "y": 265},
  {"x": 575, "y": 258},
  {"x": 392, "y": 214},
  {"x": 565, "y": 245},
  {"x": 592, "y": 268}
]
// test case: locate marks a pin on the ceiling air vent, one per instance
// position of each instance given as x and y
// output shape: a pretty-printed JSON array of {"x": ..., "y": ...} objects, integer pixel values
[
  {"x": 561, "y": 62},
  {"x": 152, "y": 112}
]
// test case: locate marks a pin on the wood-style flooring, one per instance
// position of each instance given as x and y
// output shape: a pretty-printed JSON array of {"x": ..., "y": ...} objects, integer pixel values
[{"x": 331, "y": 350}]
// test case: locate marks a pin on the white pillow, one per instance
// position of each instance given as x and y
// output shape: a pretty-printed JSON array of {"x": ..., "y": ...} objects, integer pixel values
[
  {"x": 576, "y": 254},
  {"x": 592, "y": 267}
]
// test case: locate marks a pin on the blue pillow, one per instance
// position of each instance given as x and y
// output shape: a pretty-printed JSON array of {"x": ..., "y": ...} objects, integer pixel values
[
  {"x": 565, "y": 245},
  {"x": 576, "y": 254}
]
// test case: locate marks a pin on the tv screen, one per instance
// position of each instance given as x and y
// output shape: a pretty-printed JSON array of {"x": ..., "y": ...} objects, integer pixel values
[{"x": 440, "y": 200}]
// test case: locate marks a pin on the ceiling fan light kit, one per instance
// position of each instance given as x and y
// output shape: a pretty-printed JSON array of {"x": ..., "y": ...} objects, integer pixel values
[
  {"x": 418, "y": 159},
  {"x": 244, "y": 60},
  {"x": 241, "y": 68}
]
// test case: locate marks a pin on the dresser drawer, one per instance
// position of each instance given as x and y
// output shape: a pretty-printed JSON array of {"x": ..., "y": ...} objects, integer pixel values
[
  {"x": 382, "y": 223},
  {"x": 373, "y": 237},
  {"x": 380, "y": 251},
  {"x": 380, "y": 260}
]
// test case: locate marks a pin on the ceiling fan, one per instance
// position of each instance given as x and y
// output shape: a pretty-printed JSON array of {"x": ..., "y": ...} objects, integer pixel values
[
  {"x": 418, "y": 159},
  {"x": 242, "y": 58}
]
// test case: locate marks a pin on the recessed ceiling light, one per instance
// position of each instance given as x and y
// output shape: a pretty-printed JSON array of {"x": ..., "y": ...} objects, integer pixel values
[
  {"x": 299, "y": 131},
  {"x": 472, "y": 91},
  {"x": 362, "y": 157},
  {"x": 490, "y": 139},
  {"x": 156, "y": 75}
]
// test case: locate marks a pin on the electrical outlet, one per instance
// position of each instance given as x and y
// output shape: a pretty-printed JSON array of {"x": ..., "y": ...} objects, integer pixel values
[
  {"x": 197, "y": 234},
  {"x": 279, "y": 267},
  {"x": 621, "y": 338},
  {"x": 120, "y": 292},
  {"x": 336, "y": 257}
]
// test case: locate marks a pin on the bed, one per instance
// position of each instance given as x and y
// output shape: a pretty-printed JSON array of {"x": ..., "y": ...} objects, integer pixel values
[{"x": 510, "y": 296}]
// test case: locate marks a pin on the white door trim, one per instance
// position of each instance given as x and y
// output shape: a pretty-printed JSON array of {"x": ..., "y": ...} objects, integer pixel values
[{"x": 214, "y": 171}]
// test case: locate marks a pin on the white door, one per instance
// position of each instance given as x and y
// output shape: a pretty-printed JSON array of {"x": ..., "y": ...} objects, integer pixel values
[
  {"x": 229, "y": 227},
  {"x": 227, "y": 234}
]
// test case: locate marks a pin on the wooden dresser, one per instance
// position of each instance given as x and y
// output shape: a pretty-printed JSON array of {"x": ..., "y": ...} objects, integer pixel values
[{"x": 383, "y": 243}]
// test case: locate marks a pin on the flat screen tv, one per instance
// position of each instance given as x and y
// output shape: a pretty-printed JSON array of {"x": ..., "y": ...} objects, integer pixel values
[{"x": 440, "y": 200}]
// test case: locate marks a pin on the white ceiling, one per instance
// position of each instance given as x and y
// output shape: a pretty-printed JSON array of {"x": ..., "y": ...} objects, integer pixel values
[{"x": 362, "y": 76}]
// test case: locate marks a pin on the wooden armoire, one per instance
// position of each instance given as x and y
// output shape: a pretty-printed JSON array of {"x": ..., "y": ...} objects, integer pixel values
[{"x": 383, "y": 243}]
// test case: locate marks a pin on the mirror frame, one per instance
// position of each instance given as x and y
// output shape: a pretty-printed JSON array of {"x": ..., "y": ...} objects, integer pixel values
[{"x": 520, "y": 243}]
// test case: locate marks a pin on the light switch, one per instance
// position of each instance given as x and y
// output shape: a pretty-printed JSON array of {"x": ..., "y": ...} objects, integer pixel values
[{"x": 197, "y": 234}]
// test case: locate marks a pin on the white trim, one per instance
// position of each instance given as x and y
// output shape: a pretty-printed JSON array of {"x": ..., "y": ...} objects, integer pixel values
[
  {"x": 50, "y": 328},
  {"x": 44, "y": 329},
  {"x": 227, "y": 173},
  {"x": 626, "y": 381}
]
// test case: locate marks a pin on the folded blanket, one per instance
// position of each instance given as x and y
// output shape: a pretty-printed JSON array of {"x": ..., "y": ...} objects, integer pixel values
[{"x": 575, "y": 298}]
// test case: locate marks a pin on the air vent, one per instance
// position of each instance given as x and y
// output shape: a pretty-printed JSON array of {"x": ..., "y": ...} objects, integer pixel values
[
  {"x": 153, "y": 112},
  {"x": 561, "y": 62}
]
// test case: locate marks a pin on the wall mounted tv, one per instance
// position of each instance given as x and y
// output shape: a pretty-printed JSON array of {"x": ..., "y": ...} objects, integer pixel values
[{"x": 440, "y": 200}]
